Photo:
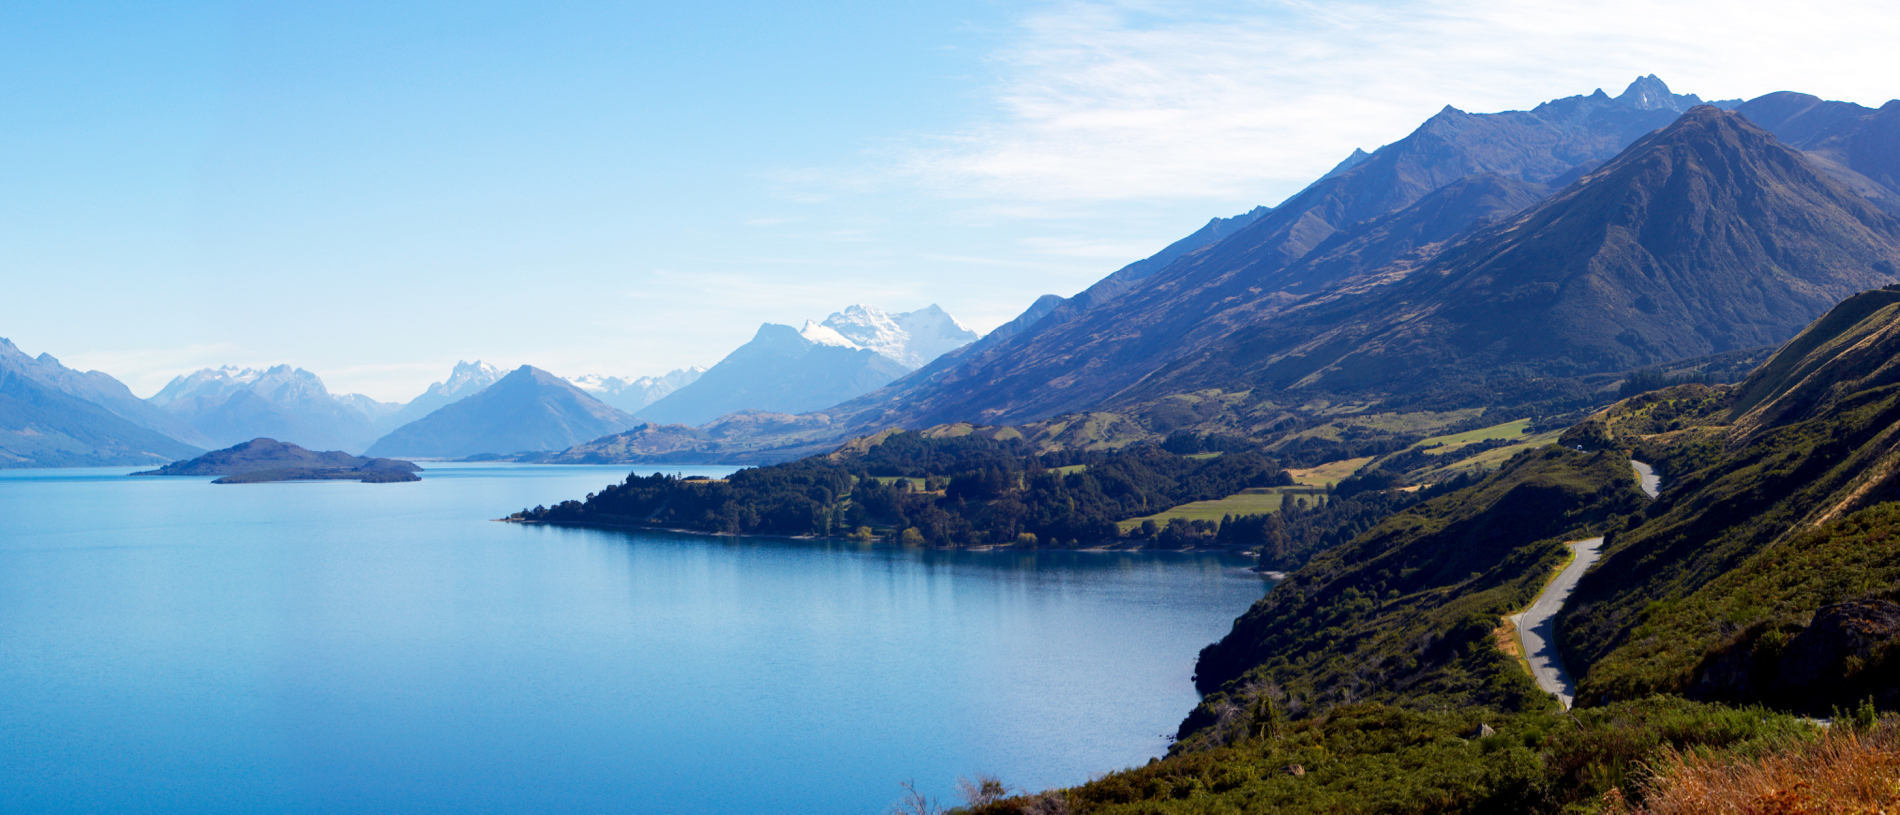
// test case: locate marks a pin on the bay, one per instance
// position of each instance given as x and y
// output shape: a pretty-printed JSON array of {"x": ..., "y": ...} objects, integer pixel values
[{"x": 171, "y": 646}]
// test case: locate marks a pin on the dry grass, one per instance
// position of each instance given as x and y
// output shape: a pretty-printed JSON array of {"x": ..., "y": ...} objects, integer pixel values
[
  {"x": 1253, "y": 501},
  {"x": 1326, "y": 475},
  {"x": 1845, "y": 770}
]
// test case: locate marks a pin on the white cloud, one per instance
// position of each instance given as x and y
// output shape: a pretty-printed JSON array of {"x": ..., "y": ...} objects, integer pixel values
[
  {"x": 153, "y": 367},
  {"x": 1125, "y": 101}
]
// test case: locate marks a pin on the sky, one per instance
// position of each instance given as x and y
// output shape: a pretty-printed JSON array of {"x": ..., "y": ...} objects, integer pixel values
[{"x": 373, "y": 191}]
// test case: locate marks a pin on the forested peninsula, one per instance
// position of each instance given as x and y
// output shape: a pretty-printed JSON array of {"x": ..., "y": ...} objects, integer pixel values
[{"x": 974, "y": 489}]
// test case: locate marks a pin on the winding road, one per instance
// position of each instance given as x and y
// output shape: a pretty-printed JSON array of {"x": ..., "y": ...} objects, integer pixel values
[
  {"x": 1647, "y": 478},
  {"x": 1537, "y": 625}
]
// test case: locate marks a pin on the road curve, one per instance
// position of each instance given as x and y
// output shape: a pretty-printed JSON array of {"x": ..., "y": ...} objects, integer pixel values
[
  {"x": 1537, "y": 626},
  {"x": 1647, "y": 478}
]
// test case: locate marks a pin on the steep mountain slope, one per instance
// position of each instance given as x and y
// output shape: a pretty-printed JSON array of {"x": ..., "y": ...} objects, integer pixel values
[
  {"x": 43, "y": 427},
  {"x": 1093, "y": 358},
  {"x": 1775, "y": 527},
  {"x": 1860, "y": 146},
  {"x": 98, "y": 388},
  {"x": 465, "y": 380},
  {"x": 1704, "y": 237},
  {"x": 780, "y": 370},
  {"x": 1405, "y": 612},
  {"x": 230, "y": 405},
  {"x": 529, "y": 409},
  {"x": 1068, "y": 362}
]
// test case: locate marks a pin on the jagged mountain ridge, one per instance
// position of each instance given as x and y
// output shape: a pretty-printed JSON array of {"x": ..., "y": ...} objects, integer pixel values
[
  {"x": 1707, "y": 236},
  {"x": 911, "y": 338},
  {"x": 231, "y": 405},
  {"x": 465, "y": 379},
  {"x": 633, "y": 393},
  {"x": 1084, "y": 353}
]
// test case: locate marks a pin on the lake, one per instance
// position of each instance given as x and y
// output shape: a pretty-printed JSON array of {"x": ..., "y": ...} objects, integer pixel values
[{"x": 171, "y": 646}]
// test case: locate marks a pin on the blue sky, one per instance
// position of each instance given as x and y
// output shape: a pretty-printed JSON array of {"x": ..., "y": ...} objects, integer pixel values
[{"x": 373, "y": 191}]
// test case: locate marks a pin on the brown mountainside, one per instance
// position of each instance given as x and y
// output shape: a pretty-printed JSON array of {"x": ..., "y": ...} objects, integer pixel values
[{"x": 1704, "y": 237}]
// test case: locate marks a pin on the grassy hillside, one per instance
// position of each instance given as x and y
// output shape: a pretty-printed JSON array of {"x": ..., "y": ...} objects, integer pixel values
[
  {"x": 1773, "y": 517},
  {"x": 1404, "y": 613}
]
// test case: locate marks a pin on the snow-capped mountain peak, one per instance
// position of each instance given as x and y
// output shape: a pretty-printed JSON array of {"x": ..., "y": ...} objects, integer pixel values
[
  {"x": 278, "y": 381},
  {"x": 467, "y": 378},
  {"x": 825, "y": 334},
  {"x": 630, "y": 393},
  {"x": 912, "y": 338}
]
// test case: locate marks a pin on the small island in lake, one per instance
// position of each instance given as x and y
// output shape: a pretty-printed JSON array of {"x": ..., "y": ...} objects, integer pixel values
[{"x": 264, "y": 460}]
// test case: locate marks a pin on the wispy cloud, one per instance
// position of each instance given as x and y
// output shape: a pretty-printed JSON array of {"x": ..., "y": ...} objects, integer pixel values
[
  {"x": 154, "y": 367},
  {"x": 1148, "y": 101}
]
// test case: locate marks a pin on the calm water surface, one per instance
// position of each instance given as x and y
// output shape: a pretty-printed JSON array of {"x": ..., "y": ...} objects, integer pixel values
[{"x": 171, "y": 646}]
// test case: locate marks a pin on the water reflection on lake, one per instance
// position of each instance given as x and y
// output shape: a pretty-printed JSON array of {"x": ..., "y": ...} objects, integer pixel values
[{"x": 171, "y": 646}]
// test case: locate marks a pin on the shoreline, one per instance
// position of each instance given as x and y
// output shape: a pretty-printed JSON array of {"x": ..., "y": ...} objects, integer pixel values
[{"x": 988, "y": 547}]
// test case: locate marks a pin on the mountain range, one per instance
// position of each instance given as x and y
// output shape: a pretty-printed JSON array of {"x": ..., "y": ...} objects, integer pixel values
[
  {"x": 230, "y": 405},
  {"x": 465, "y": 379},
  {"x": 787, "y": 370},
  {"x": 43, "y": 426},
  {"x": 1521, "y": 260},
  {"x": 1485, "y": 260},
  {"x": 632, "y": 394},
  {"x": 527, "y": 410}
]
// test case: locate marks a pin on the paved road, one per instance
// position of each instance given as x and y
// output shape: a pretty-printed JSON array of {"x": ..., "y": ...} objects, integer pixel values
[
  {"x": 1537, "y": 626},
  {"x": 1651, "y": 482}
]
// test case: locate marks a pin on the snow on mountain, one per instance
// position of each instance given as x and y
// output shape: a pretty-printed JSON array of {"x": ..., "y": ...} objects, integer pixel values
[
  {"x": 911, "y": 338},
  {"x": 933, "y": 333},
  {"x": 231, "y": 405},
  {"x": 631, "y": 394},
  {"x": 826, "y": 335},
  {"x": 276, "y": 383},
  {"x": 465, "y": 380},
  {"x": 376, "y": 411}
]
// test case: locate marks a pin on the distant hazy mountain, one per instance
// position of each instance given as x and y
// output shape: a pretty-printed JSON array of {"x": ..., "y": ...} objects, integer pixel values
[
  {"x": 782, "y": 370},
  {"x": 100, "y": 389},
  {"x": 378, "y": 413},
  {"x": 911, "y": 338},
  {"x": 632, "y": 394},
  {"x": 230, "y": 405},
  {"x": 44, "y": 427},
  {"x": 467, "y": 379},
  {"x": 527, "y": 410},
  {"x": 1859, "y": 146}
]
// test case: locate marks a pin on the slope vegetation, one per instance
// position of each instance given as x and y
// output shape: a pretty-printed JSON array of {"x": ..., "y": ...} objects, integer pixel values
[
  {"x": 1705, "y": 237},
  {"x": 1763, "y": 573},
  {"x": 1404, "y": 613}
]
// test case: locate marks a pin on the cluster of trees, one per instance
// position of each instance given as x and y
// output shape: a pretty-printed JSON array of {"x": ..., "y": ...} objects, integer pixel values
[
  {"x": 1648, "y": 380},
  {"x": 974, "y": 491}
]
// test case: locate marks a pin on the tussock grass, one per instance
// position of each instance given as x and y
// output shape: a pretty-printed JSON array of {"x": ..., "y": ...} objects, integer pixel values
[{"x": 1846, "y": 770}]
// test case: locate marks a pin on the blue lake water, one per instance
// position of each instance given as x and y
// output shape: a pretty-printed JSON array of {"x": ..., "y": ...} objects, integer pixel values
[{"x": 171, "y": 646}]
